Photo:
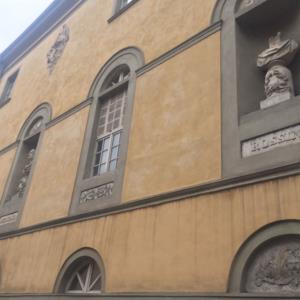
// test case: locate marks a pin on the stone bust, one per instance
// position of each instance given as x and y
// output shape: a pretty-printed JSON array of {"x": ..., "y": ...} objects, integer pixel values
[{"x": 278, "y": 79}]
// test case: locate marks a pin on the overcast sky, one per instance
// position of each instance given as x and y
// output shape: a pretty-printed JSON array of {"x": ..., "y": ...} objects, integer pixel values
[{"x": 16, "y": 16}]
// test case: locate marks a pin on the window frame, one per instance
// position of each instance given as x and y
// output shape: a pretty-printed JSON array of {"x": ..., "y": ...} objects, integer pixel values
[
  {"x": 134, "y": 59},
  {"x": 9, "y": 85},
  {"x": 76, "y": 273},
  {"x": 108, "y": 93},
  {"x": 72, "y": 264}
]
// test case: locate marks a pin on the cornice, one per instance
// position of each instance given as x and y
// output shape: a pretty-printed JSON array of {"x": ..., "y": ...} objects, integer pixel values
[{"x": 163, "y": 198}]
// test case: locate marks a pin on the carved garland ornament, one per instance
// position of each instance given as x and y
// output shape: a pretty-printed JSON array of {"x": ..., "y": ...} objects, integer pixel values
[
  {"x": 58, "y": 47},
  {"x": 26, "y": 171},
  {"x": 21, "y": 184}
]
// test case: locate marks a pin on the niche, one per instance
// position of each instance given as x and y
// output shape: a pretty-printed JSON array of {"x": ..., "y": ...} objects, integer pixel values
[
  {"x": 256, "y": 23},
  {"x": 23, "y": 169}
]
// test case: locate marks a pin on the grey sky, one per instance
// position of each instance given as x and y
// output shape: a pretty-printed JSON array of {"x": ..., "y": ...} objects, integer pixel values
[{"x": 16, "y": 16}]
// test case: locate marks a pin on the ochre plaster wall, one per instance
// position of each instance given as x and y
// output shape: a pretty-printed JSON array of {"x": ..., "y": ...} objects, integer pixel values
[
  {"x": 53, "y": 178},
  {"x": 174, "y": 139},
  {"x": 175, "y": 135},
  {"x": 187, "y": 245},
  {"x": 153, "y": 26},
  {"x": 6, "y": 161}
]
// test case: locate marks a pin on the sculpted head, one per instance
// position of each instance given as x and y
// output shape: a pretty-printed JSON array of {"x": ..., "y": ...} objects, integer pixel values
[{"x": 277, "y": 81}]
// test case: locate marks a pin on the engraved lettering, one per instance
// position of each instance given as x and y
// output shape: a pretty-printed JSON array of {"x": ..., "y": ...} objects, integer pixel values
[{"x": 271, "y": 141}]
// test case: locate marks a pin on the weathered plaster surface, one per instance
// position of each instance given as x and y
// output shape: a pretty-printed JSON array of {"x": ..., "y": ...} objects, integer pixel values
[
  {"x": 92, "y": 42},
  {"x": 54, "y": 175},
  {"x": 175, "y": 134},
  {"x": 161, "y": 248}
]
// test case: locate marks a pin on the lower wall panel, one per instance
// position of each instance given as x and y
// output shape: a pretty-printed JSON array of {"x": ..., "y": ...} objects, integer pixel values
[{"x": 182, "y": 246}]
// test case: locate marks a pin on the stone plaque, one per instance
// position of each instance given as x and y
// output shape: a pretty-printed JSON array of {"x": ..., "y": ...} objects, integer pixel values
[
  {"x": 11, "y": 218},
  {"x": 96, "y": 193},
  {"x": 275, "y": 268},
  {"x": 270, "y": 141}
]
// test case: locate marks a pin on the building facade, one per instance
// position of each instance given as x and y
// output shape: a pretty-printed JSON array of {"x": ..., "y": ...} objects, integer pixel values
[{"x": 151, "y": 149}]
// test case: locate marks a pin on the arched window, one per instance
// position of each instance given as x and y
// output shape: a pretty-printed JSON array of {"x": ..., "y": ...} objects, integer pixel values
[
  {"x": 102, "y": 162},
  {"x": 82, "y": 273},
  {"x": 110, "y": 120},
  {"x": 22, "y": 168}
]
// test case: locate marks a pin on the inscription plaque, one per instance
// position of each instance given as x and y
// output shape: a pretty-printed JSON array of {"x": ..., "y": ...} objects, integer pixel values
[
  {"x": 11, "y": 218},
  {"x": 96, "y": 193},
  {"x": 270, "y": 141}
]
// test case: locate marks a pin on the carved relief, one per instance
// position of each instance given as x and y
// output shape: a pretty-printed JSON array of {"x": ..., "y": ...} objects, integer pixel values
[
  {"x": 270, "y": 141},
  {"x": 278, "y": 80},
  {"x": 97, "y": 193},
  {"x": 26, "y": 171},
  {"x": 58, "y": 47},
  {"x": 276, "y": 269},
  {"x": 11, "y": 218}
]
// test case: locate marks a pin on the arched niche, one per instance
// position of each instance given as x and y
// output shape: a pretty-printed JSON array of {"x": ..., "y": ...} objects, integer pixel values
[
  {"x": 268, "y": 261},
  {"x": 247, "y": 27},
  {"x": 257, "y": 135},
  {"x": 20, "y": 175},
  {"x": 42, "y": 113}
]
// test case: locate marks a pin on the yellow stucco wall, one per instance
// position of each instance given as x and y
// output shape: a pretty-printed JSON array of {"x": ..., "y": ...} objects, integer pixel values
[
  {"x": 182, "y": 246},
  {"x": 175, "y": 135},
  {"x": 170, "y": 145},
  {"x": 52, "y": 184},
  {"x": 187, "y": 245},
  {"x": 92, "y": 42}
]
